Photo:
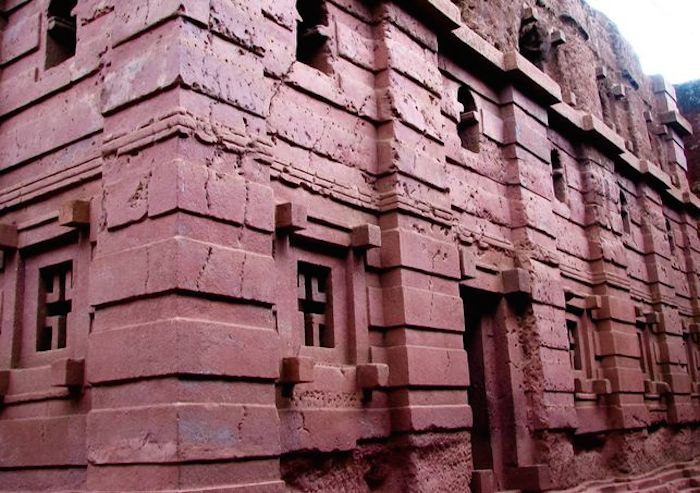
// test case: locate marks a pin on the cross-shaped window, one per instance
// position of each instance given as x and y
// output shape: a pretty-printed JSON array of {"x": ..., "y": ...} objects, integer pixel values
[
  {"x": 313, "y": 288},
  {"x": 55, "y": 303}
]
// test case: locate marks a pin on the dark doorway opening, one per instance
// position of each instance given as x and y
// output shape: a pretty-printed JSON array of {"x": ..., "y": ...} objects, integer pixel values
[{"x": 485, "y": 344}]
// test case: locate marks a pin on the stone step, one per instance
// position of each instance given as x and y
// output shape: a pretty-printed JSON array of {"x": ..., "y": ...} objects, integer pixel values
[{"x": 682, "y": 477}]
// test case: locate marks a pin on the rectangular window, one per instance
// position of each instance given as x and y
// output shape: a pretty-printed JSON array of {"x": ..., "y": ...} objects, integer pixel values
[
  {"x": 558, "y": 176},
  {"x": 312, "y": 36},
  {"x": 314, "y": 298},
  {"x": 574, "y": 344},
  {"x": 646, "y": 350},
  {"x": 54, "y": 304},
  {"x": 60, "y": 32}
]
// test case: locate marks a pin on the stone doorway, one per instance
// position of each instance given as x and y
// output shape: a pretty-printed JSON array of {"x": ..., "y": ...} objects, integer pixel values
[{"x": 486, "y": 347}]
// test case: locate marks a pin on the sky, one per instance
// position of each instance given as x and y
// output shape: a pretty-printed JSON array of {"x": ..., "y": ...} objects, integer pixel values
[{"x": 664, "y": 33}]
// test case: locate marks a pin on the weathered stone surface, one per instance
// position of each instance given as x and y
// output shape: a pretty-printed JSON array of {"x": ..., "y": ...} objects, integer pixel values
[{"x": 342, "y": 245}]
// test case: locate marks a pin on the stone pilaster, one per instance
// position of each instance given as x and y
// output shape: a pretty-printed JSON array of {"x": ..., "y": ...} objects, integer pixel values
[
  {"x": 423, "y": 317},
  {"x": 183, "y": 353}
]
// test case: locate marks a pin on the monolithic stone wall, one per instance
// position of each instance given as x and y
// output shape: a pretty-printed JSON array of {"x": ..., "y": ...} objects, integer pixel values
[{"x": 339, "y": 246}]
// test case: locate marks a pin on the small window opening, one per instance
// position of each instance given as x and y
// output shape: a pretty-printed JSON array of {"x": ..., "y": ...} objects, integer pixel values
[
  {"x": 558, "y": 178},
  {"x": 60, "y": 32},
  {"x": 531, "y": 42},
  {"x": 646, "y": 355},
  {"x": 669, "y": 236},
  {"x": 312, "y": 39},
  {"x": 314, "y": 297},
  {"x": 574, "y": 346},
  {"x": 55, "y": 303},
  {"x": 468, "y": 128},
  {"x": 642, "y": 359},
  {"x": 624, "y": 212}
]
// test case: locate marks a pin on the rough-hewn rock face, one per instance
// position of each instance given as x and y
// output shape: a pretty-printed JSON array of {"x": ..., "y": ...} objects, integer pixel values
[
  {"x": 689, "y": 102},
  {"x": 340, "y": 245}
]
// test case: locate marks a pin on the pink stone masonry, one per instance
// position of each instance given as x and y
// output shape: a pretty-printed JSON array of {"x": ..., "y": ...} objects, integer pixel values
[{"x": 342, "y": 246}]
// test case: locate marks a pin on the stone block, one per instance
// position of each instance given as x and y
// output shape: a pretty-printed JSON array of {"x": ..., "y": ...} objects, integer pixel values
[
  {"x": 443, "y": 13},
  {"x": 618, "y": 91},
  {"x": 557, "y": 37},
  {"x": 529, "y": 14},
  {"x": 602, "y": 386},
  {"x": 4, "y": 383},
  {"x": 529, "y": 478},
  {"x": 41, "y": 441},
  {"x": 290, "y": 217},
  {"x": 68, "y": 372},
  {"x": 656, "y": 387},
  {"x": 74, "y": 214},
  {"x": 570, "y": 98},
  {"x": 372, "y": 376},
  {"x": 467, "y": 264},
  {"x": 583, "y": 386},
  {"x": 422, "y": 308},
  {"x": 483, "y": 481},
  {"x": 8, "y": 236},
  {"x": 677, "y": 121},
  {"x": 297, "y": 369},
  {"x": 425, "y": 367},
  {"x": 516, "y": 281},
  {"x": 20, "y": 38},
  {"x": 366, "y": 236},
  {"x": 617, "y": 342},
  {"x": 194, "y": 347},
  {"x": 601, "y": 72},
  {"x": 661, "y": 85},
  {"x": 615, "y": 308},
  {"x": 593, "y": 302}
]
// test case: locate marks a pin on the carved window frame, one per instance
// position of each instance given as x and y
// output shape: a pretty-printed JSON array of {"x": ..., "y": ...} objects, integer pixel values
[
  {"x": 325, "y": 248},
  {"x": 314, "y": 36},
  {"x": 336, "y": 307},
  {"x": 36, "y": 265},
  {"x": 589, "y": 383},
  {"x": 654, "y": 385},
  {"x": 53, "y": 28},
  {"x": 33, "y": 375},
  {"x": 691, "y": 342}
]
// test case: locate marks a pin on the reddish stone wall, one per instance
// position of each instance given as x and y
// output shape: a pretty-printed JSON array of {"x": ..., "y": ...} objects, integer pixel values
[{"x": 252, "y": 248}]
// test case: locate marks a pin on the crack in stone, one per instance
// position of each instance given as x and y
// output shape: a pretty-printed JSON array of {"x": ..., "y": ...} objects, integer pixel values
[{"x": 210, "y": 250}]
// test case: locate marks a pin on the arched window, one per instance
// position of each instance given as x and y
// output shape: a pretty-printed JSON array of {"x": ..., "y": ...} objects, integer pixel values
[
  {"x": 531, "y": 39},
  {"x": 468, "y": 127},
  {"x": 558, "y": 176},
  {"x": 60, "y": 32},
  {"x": 312, "y": 39},
  {"x": 624, "y": 212}
]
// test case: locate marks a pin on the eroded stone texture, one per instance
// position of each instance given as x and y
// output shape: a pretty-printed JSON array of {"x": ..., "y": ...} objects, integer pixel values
[
  {"x": 340, "y": 245},
  {"x": 689, "y": 102}
]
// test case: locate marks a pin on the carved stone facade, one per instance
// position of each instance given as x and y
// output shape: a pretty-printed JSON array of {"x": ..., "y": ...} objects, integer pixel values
[{"x": 341, "y": 245}]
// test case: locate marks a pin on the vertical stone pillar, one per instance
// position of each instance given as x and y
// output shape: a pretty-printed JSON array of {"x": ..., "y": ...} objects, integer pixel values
[
  {"x": 660, "y": 248},
  {"x": 674, "y": 127},
  {"x": 535, "y": 340},
  {"x": 183, "y": 352},
  {"x": 423, "y": 315},
  {"x": 614, "y": 314}
]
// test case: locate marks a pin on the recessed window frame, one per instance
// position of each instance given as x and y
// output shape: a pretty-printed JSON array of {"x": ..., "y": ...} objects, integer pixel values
[
  {"x": 60, "y": 33},
  {"x": 313, "y": 35},
  {"x": 559, "y": 183},
  {"x": 469, "y": 122}
]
